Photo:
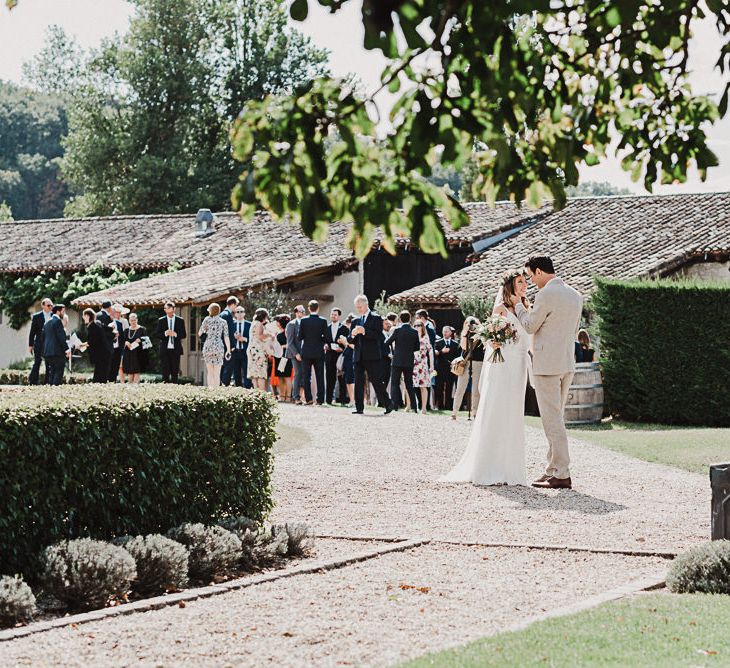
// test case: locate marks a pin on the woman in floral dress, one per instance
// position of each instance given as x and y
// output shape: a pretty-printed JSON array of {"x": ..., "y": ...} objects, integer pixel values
[
  {"x": 423, "y": 366},
  {"x": 257, "y": 356},
  {"x": 217, "y": 346}
]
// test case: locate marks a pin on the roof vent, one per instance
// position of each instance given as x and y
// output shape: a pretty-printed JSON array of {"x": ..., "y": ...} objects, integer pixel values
[{"x": 204, "y": 223}]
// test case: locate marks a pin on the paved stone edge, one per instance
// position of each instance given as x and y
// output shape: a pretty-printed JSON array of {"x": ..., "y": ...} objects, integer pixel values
[
  {"x": 629, "y": 552},
  {"x": 188, "y": 595}
]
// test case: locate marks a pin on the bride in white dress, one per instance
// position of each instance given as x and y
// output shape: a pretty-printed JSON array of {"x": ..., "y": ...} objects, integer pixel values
[{"x": 495, "y": 454}]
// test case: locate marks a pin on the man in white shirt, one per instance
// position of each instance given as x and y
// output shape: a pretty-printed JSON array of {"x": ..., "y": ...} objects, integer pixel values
[
  {"x": 171, "y": 332},
  {"x": 335, "y": 329}
]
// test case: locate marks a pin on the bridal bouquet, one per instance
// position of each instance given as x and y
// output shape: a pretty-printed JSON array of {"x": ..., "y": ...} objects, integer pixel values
[{"x": 496, "y": 329}]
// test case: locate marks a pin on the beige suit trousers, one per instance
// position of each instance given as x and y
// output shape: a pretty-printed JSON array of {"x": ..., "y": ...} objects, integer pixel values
[{"x": 552, "y": 393}]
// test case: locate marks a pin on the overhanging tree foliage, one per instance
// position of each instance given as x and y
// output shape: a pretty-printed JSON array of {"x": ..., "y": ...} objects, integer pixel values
[{"x": 530, "y": 90}]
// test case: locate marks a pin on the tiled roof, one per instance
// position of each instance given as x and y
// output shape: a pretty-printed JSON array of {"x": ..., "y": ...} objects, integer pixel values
[
  {"x": 149, "y": 242},
  {"x": 156, "y": 241},
  {"x": 618, "y": 237},
  {"x": 213, "y": 281}
]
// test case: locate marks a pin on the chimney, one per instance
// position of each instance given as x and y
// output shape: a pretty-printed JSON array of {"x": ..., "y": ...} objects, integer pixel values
[{"x": 204, "y": 223}]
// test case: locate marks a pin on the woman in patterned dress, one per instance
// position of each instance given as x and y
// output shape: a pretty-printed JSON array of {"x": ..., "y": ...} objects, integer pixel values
[
  {"x": 423, "y": 367},
  {"x": 257, "y": 355},
  {"x": 217, "y": 346}
]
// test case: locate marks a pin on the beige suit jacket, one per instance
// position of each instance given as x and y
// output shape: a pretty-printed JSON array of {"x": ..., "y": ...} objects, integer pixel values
[{"x": 553, "y": 322}]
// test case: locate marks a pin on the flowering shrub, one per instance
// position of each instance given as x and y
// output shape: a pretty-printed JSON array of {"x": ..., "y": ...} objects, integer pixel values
[
  {"x": 86, "y": 573},
  {"x": 17, "y": 603},
  {"x": 212, "y": 549},
  {"x": 162, "y": 563}
]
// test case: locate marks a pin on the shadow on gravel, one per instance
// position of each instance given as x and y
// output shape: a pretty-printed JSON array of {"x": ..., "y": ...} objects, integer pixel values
[{"x": 566, "y": 499}]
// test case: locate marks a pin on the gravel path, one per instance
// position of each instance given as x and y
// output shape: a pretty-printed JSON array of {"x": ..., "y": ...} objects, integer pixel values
[
  {"x": 378, "y": 476},
  {"x": 370, "y": 614}
]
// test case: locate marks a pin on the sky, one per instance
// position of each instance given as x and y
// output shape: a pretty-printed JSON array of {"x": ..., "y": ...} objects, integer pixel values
[{"x": 23, "y": 29}]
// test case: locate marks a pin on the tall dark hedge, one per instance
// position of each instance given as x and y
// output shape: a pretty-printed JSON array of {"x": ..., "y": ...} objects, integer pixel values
[
  {"x": 666, "y": 350},
  {"x": 102, "y": 461}
]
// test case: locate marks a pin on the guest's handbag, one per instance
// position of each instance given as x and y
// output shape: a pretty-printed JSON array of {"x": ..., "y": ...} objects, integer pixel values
[
  {"x": 146, "y": 342},
  {"x": 340, "y": 365},
  {"x": 459, "y": 364}
]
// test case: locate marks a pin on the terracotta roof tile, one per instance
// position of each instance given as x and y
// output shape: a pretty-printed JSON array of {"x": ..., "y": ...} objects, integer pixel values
[{"x": 619, "y": 237}]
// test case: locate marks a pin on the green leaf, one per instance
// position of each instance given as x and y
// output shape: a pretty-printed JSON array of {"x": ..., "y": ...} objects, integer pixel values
[{"x": 299, "y": 10}]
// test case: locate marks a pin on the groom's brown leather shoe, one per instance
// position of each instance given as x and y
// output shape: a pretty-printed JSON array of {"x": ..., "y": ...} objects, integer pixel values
[
  {"x": 554, "y": 483},
  {"x": 543, "y": 478}
]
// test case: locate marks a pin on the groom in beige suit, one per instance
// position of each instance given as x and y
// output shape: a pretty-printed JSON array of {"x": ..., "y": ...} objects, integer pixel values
[{"x": 553, "y": 321}]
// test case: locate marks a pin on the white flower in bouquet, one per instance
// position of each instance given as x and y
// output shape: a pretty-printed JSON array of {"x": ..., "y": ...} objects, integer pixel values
[{"x": 496, "y": 329}]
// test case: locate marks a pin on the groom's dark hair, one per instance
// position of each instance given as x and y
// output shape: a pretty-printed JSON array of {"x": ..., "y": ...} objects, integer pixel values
[{"x": 542, "y": 262}]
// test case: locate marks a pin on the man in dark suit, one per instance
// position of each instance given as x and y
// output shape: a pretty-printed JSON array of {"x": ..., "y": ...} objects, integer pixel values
[
  {"x": 388, "y": 329},
  {"x": 239, "y": 333},
  {"x": 404, "y": 342},
  {"x": 55, "y": 347},
  {"x": 367, "y": 335},
  {"x": 335, "y": 330},
  {"x": 105, "y": 317},
  {"x": 228, "y": 314},
  {"x": 294, "y": 353},
  {"x": 446, "y": 350},
  {"x": 171, "y": 332},
  {"x": 312, "y": 338},
  {"x": 35, "y": 339}
]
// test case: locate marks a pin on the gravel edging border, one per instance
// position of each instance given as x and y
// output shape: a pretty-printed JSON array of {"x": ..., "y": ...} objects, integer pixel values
[
  {"x": 629, "y": 552},
  {"x": 188, "y": 595}
]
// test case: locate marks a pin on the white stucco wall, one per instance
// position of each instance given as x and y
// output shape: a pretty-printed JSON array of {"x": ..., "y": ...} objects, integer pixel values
[
  {"x": 14, "y": 342},
  {"x": 344, "y": 288},
  {"x": 707, "y": 271}
]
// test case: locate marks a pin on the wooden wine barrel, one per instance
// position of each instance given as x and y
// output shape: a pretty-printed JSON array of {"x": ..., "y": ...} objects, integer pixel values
[{"x": 585, "y": 400}]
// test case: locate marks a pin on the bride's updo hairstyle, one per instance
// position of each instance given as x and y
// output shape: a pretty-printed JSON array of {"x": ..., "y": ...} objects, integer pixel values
[{"x": 508, "y": 286}]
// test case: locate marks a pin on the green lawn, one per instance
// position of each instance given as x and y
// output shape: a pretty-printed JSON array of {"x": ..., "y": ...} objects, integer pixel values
[
  {"x": 692, "y": 449},
  {"x": 648, "y": 630}
]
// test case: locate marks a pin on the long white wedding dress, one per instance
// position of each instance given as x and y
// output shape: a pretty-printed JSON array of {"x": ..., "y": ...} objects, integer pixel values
[{"x": 495, "y": 453}]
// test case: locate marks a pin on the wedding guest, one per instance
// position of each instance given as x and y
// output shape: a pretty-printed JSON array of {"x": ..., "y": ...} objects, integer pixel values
[
  {"x": 217, "y": 346},
  {"x": 294, "y": 353},
  {"x": 105, "y": 317},
  {"x": 335, "y": 330},
  {"x": 134, "y": 360},
  {"x": 35, "y": 339},
  {"x": 473, "y": 349},
  {"x": 583, "y": 350},
  {"x": 446, "y": 350},
  {"x": 367, "y": 335},
  {"x": 121, "y": 325},
  {"x": 257, "y": 358},
  {"x": 282, "y": 365},
  {"x": 171, "y": 332},
  {"x": 229, "y": 315},
  {"x": 97, "y": 343},
  {"x": 423, "y": 366},
  {"x": 55, "y": 347},
  {"x": 239, "y": 333},
  {"x": 312, "y": 338},
  {"x": 392, "y": 317},
  {"x": 388, "y": 329},
  {"x": 348, "y": 361},
  {"x": 404, "y": 342},
  {"x": 422, "y": 314}
]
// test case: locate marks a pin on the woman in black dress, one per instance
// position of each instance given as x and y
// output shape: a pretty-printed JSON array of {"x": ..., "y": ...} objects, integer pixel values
[
  {"x": 283, "y": 369},
  {"x": 98, "y": 345},
  {"x": 135, "y": 357},
  {"x": 583, "y": 350}
]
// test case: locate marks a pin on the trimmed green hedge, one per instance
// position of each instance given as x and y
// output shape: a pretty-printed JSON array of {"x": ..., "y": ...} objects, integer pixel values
[
  {"x": 20, "y": 377},
  {"x": 103, "y": 461},
  {"x": 665, "y": 352}
]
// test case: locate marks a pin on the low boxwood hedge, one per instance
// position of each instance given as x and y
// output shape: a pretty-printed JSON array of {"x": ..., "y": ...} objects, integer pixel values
[
  {"x": 20, "y": 377},
  {"x": 104, "y": 461},
  {"x": 664, "y": 350}
]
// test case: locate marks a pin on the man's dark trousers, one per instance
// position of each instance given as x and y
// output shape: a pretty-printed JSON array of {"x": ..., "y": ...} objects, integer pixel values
[
  {"x": 55, "y": 366},
  {"x": 318, "y": 364},
  {"x": 374, "y": 371},
  {"x": 239, "y": 366},
  {"x": 395, "y": 375}
]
